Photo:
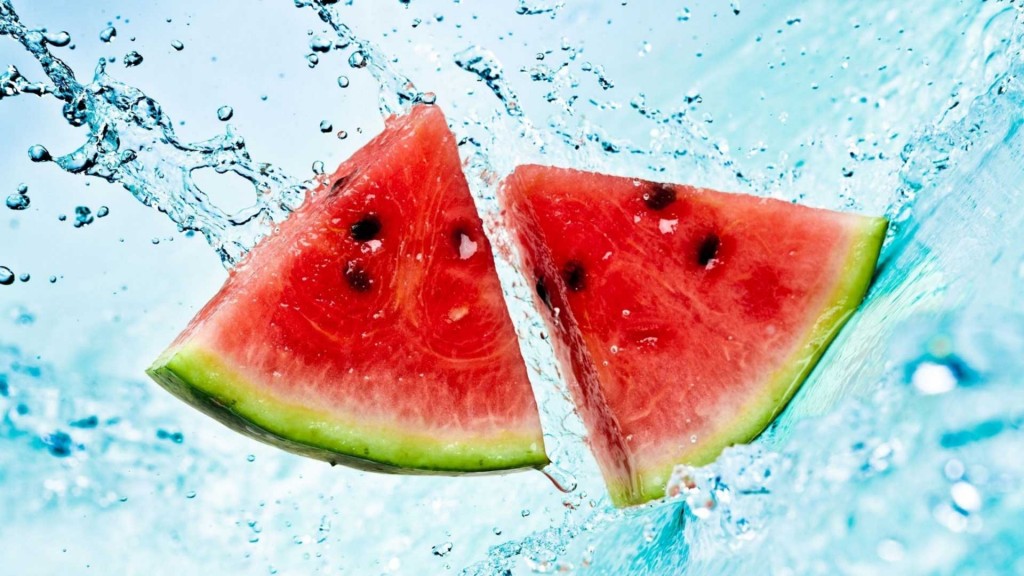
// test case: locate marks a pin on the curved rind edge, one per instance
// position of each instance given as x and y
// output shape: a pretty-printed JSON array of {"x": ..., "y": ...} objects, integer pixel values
[
  {"x": 199, "y": 378},
  {"x": 851, "y": 289}
]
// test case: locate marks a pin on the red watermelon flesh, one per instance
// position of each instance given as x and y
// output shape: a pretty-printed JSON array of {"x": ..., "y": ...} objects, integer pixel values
[
  {"x": 684, "y": 318},
  {"x": 370, "y": 329}
]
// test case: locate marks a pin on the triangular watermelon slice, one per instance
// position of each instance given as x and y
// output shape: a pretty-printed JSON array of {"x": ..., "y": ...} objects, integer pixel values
[
  {"x": 370, "y": 329},
  {"x": 684, "y": 318}
]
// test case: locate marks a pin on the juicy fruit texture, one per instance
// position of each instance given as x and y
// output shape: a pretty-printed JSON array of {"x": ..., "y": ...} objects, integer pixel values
[
  {"x": 370, "y": 329},
  {"x": 685, "y": 318}
]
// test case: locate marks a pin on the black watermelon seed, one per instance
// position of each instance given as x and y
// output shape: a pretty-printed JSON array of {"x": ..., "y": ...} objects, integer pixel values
[
  {"x": 366, "y": 229},
  {"x": 659, "y": 196},
  {"x": 574, "y": 275},
  {"x": 542, "y": 292},
  {"x": 708, "y": 249},
  {"x": 357, "y": 278}
]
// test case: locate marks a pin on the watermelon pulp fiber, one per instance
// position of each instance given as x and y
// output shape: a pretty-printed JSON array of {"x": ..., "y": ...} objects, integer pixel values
[
  {"x": 370, "y": 329},
  {"x": 685, "y": 319}
]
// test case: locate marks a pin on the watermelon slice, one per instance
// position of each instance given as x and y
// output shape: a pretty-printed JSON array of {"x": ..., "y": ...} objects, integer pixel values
[
  {"x": 370, "y": 329},
  {"x": 684, "y": 318}
]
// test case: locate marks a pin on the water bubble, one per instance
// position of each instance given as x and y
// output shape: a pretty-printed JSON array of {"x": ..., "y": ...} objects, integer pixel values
[
  {"x": 313, "y": 60},
  {"x": 58, "y": 39},
  {"x": 357, "y": 59},
  {"x": 342, "y": 134},
  {"x": 17, "y": 201},
  {"x": 132, "y": 59},
  {"x": 428, "y": 98},
  {"x": 83, "y": 216},
  {"x": 320, "y": 43},
  {"x": 890, "y": 550},
  {"x": 966, "y": 497},
  {"x": 6, "y": 276},
  {"x": 37, "y": 153},
  {"x": 177, "y": 45},
  {"x": 224, "y": 113},
  {"x": 931, "y": 378},
  {"x": 343, "y": 81},
  {"x": 108, "y": 34},
  {"x": 442, "y": 549}
]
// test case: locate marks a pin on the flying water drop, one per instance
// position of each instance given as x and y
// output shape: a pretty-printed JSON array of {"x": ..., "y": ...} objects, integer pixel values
[
  {"x": 132, "y": 59},
  {"x": 108, "y": 34},
  {"x": 18, "y": 201},
  {"x": 38, "y": 153},
  {"x": 224, "y": 113},
  {"x": 58, "y": 39}
]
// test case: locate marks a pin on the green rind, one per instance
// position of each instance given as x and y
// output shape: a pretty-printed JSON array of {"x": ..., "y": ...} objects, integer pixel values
[
  {"x": 759, "y": 414},
  {"x": 202, "y": 379}
]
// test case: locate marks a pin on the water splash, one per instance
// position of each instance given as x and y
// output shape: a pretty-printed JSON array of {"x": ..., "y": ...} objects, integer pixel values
[{"x": 131, "y": 141}]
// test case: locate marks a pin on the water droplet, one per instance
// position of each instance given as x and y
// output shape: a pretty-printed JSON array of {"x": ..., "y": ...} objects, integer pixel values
[
  {"x": 132, "y": 59},
  {"x": 343, "y": 81},
  {"x": 53, "y": 279},
  {"x": 442, "y": 549},
  {"x": 177, "y": 45},
  {"x": 251, "y": 458},
  {"x": 683, "y": 15},
  {"x": 966, "y": 497},
  {"x": 313, "y": 60},
  {"x": 325, "y": 126},
  {"x": 108, "y": 34},
  {"x": 224, "y": 113},
  {"x": 562, "y": 479},
  {"x": 17, "y": 201},
  {"x": 25, "y": 277},
  {"x": 428, "y": 98},
  {"x": 931, "y": 378},
  {"x": 320, "y": 43},
  {"x": 342, "y": 134},
  {"x": 22, "y": 188},
  {"x": 890, "y": 550},
  {"x": 37, "y": 153},
  {"x": 58, "y": 39},
  {"x": 525, "y": 512},
  {"x": 190, "y": 494},
  {"x": 318, "y": 167},
  {"x": 6, "y": 276},
  {"x": 357, "y": 59},
  {"x": 496, "y": 530},
  {"x": 83, "y": 216},
  {"x": 102, "y": 212}
]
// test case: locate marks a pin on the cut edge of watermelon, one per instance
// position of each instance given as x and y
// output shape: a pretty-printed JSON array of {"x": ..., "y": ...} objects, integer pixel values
[
  {"x": 865, "y": 245},
  {"x": 198, "y": 377}
]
